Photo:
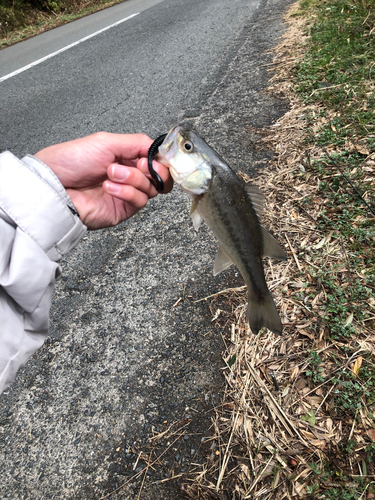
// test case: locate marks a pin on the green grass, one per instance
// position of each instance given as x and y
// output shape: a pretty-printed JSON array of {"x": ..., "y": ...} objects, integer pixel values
[
  {"x": 325, "y": 473},
  {"x": 353, "y": 393},
  {"x": 339, "y": 65},
  {"x": 336, "y": 76},
  {"x": 315, "y": 370}
]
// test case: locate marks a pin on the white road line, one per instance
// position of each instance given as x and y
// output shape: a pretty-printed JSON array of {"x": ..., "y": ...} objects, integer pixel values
[{"x": 64, "y": 49}]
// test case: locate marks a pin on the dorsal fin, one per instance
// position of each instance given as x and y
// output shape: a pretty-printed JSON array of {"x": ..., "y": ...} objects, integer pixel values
[
  {"x": 257, "y": 199},
  {"x": 271, "y": 247}
]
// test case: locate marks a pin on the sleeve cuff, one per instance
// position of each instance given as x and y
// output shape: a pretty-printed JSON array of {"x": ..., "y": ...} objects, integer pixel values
[{"x": 33, "y": 197}]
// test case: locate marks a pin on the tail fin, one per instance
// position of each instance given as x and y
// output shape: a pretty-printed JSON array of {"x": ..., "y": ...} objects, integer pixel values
[{"x": 262, "y": 314}]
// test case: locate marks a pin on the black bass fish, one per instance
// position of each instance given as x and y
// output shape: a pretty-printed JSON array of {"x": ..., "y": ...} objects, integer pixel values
[{"x": 231, "y": 209}]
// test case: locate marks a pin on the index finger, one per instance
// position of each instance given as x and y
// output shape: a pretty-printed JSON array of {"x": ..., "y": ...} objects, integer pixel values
[
  {"x": 124, "y": 147},
  {"x": 163, "y": 171}
]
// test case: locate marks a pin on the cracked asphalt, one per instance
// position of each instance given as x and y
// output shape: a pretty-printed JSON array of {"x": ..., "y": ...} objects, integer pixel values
[{"x": 131, "y": 351}]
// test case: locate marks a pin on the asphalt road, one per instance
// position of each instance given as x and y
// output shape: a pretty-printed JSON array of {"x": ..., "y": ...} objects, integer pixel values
[{"x": 124, "y": 359}]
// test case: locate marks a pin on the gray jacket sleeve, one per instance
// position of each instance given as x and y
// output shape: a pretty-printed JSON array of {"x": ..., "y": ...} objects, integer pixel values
[{"x": 37, "y": 228}]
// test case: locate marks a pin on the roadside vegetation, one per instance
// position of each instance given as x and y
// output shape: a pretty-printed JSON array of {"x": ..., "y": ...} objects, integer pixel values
[
  {"x": 21, "y": 19},
  {"x": 298, "y": 416}
]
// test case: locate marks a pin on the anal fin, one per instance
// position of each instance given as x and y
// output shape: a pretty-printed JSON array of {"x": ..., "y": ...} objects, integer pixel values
[
  {"x": 222, "y": 261},
  {"x": 271, "y": 248}
]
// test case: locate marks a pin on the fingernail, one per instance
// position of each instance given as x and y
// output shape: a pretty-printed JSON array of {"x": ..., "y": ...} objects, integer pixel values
[
  {"x": 119, "y": 173},
  {"x": 111, "y": 187}
]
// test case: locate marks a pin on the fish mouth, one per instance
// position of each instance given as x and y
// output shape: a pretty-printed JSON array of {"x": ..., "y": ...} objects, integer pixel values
[
  {"x": 169, "y": 147},
  {"x": 188, "y": 169}
]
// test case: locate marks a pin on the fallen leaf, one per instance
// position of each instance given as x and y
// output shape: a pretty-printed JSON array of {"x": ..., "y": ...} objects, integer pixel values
[
  {"x": 329, "y": 424},
  {"x": 306, "y": 334},
  {"x": 285, "y": 391},
  {"x": 308, "y": 435},
  {"x": 232, "y": 361},
  {"x": 357, "y": 365},
  {"x": 371, "y": 434},
  {"x": 245, "y": 469},
  {"x": 299, "y": 489},
  {"x": 305, "y": 472},
  {"x": 320, "y": 244},
  {"x": 295, "y": 372},
  {"x": 362, "y": 149},
  {"x": 319, "y": 443},
  {"x": 300, "y": 384},
  {"x": 349, "y": 320},
  {"x": 309, "y": 417},
  {"x": 315, "y": 400}
]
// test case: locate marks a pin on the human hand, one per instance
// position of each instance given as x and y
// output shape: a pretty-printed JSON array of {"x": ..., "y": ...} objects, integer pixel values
[{"x": 106, "y": 175}]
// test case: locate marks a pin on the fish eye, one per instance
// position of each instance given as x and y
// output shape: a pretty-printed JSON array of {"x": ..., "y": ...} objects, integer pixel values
[{"x": 188, "y": 146}]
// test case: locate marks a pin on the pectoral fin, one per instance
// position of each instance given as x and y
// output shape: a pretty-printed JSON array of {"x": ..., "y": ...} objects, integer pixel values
[
  {"x": 271, "y": 247},
  {"x": 222, "y": 261},
  {"x": 196, "y": 218}
]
